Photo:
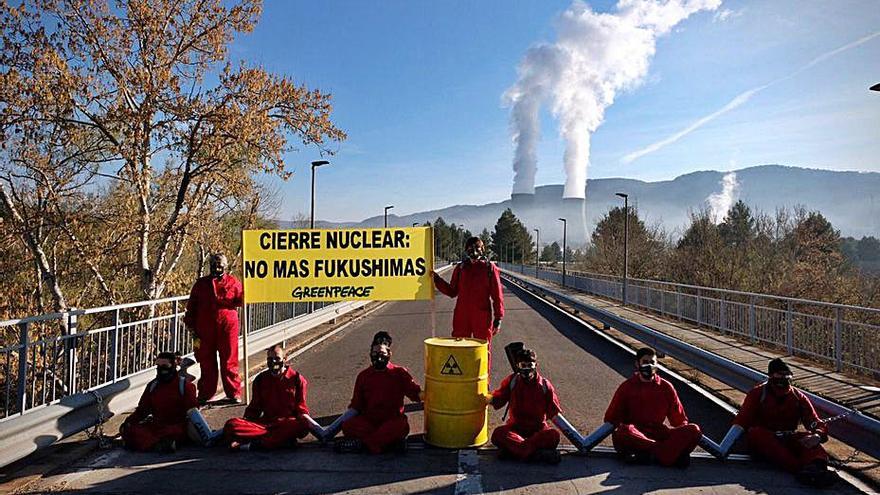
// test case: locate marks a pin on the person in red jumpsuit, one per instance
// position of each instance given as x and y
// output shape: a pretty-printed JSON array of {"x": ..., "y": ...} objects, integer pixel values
[
  {"x": 159, "y": 421},
  {"x": 476, "y": 285},
  {"x": 380, "y": 423},
  {"x": 276, "y": 415},
  {"x": 770, "y": 415},
  {"x": 532, "y": 401},
  {"x": 211, "y": 314},
  {"x": 638, "y": 410}
]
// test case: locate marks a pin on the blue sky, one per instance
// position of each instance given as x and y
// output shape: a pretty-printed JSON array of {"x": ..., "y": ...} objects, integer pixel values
[{"x": 417, "y": 86}]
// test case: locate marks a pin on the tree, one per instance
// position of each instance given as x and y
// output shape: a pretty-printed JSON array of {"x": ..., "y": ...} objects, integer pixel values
[
  {"x": 646, "y": 246},
  {"x": 511, "y": 239},
  {"x": 738, "y": 227},
  {"x": 551, "y": 253},
  {"x": 116, "y": 99}
]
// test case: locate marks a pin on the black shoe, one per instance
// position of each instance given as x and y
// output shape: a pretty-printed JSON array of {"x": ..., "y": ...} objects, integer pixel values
[
  {"x": 547, "y": 456},
  {"x": 638, "y": 458},
  {"x": 166, "y": 446},
  {"x": 505, "y": 455},
  {"x": 683, "y": 461},
  {"x": 399, "y": 447},
  {"x": 817, "y": 475},
  {"x": 348, "y": 446}
]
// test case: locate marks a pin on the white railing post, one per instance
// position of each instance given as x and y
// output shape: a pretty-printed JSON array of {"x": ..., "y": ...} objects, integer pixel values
[
  {"x": 175, "y": 345},
  {"x": 71, "y": 354},
  {"x": 838, "y": 350},
  {"x": 699, "y": 307},
  {"x": 23, "y": 342},
  {"x": 789, "y": 329},
  {"x": 752, "y": 322},
  {"x": 114, "y": 350}
]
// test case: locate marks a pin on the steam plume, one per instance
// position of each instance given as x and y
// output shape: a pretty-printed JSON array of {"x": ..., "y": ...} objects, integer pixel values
[
  {"x": 720, "y": 202},
  {"x": 595, "y": 56}
]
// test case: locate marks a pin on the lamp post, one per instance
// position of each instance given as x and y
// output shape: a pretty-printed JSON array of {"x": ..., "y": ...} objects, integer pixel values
[
  {"x": 315, "y": 164},
  {"x": 564, "y": 234},
  {"x": 386, "y": 214},
  {"x": 537, "y": 250},
  {"x": 625, "y": 241}
]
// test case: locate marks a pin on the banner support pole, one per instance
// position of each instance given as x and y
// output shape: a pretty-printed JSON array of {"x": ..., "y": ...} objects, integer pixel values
[
  {"x": 433, "y": 289},
  {"x": 244, "y": 313}
]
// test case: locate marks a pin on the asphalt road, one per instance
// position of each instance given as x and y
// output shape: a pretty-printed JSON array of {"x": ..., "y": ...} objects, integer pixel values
[{"x": 585, "y": 369}]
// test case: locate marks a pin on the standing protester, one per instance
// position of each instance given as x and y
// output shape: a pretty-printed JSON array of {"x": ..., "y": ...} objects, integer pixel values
[
  {"x": 211, "y": 314},
  {"x": 532, "y": 401},
  {"x": 376, "y": 419},
  {"x": 638, "y": 410},
  {"x": 160, "y": 419},
  {"x": 277, "y": 415},
  {"x": 476, "y": 283},
  {"x": 770, "y": 415}
]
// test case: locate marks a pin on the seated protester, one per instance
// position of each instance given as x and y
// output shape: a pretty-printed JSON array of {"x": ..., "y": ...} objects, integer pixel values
[
  {"x": 638, "y": 410},
  {"x": 532, "y": 401},
  {"x": 378, "y": 399},
  {"x": 277, "y": 415},
  {"x": 160, "y": 419},
  {"x": 770, "y": 415}
]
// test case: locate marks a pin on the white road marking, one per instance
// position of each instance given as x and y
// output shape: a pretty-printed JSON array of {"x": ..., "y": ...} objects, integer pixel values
[{"x": 469, "y": 480}]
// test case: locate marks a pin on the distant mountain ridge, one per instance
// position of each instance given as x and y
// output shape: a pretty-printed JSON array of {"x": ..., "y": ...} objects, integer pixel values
[{"x": 850, "y": 200}]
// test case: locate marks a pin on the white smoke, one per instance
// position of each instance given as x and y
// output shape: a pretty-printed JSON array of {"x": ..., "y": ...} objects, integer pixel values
[
  {"x": 595, "y": 56},
  {"x": 721, "y": 202}
]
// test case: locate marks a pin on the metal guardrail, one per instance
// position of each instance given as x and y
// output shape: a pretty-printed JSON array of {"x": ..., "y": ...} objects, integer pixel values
[
  {"x": 858, "y": 430},
  {"x": 58, "y": 355},
  {"x": 21, "y": 435},
  {"x": 846, "y": 337}
]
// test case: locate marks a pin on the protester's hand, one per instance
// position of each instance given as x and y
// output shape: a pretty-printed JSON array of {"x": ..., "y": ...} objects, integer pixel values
[
  {"x": 487, "y": 399},
  {"x": 811, "y": 441},
  {"x": 496, "y": 326},
  {"x": 422, "y": 396}
]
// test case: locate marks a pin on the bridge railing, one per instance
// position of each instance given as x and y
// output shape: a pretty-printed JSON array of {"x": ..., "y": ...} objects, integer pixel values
[
  {"x": 843, "y": 336},
  {"x": 56, "y": 355}
]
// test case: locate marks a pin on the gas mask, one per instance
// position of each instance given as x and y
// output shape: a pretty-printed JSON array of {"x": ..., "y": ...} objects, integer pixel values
[
  {"x": 475, "y": 253},
  {"x": 781, "y": 383},
  {"x": 218, "y": 265},
  {"x": 647, "y": 370},
  {"x": 275, "y": 365},
  {"x": 379, "y": 356},
  {"x": 166, "y": 373},
  {"x": 526, "y": 369}
]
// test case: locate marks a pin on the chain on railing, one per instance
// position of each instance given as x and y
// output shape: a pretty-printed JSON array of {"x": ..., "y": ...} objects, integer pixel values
[
  {"x": 846, "y": 337},
  {"x": 60, "y": 354}
]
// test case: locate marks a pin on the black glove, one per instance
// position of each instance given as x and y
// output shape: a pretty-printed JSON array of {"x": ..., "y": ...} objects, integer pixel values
[{"x": 497, "y": 324}]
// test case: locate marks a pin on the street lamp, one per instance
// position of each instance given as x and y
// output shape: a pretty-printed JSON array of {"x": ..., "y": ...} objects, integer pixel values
[
  {"x": 315, "y": 164},
  {"x": 564, "y": 233},
  {"x": 537, "y": 250},
  {"x": 386, "y": 214},
  {"x": 625, "y": 240},
  {"x": 875, "y": 87}
]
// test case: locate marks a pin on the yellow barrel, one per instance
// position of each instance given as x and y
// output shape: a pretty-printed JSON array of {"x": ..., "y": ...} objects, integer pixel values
[{"x": 456, "y": 375}]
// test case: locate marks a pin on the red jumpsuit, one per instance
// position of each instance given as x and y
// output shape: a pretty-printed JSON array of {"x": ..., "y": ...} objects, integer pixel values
[
  {"x": 378, "y": 399},
  {"x": 161, "y": 413},
  {"x": 532, "y": 403},
  {"x": 473, "y": 284},
  {"x": 211, "y": 311},
  {"x": 274, "y": 414},
  {"x": 638, "y": 411},
  {"x": 764, "y": 413}
]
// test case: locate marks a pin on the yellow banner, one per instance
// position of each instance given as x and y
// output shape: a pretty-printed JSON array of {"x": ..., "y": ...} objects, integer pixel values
[{"x": 391, "y": 264}]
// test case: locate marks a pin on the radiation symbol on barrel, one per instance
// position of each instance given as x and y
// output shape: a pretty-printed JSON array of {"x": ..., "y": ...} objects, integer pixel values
[{"x": 451, "y": 367}]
